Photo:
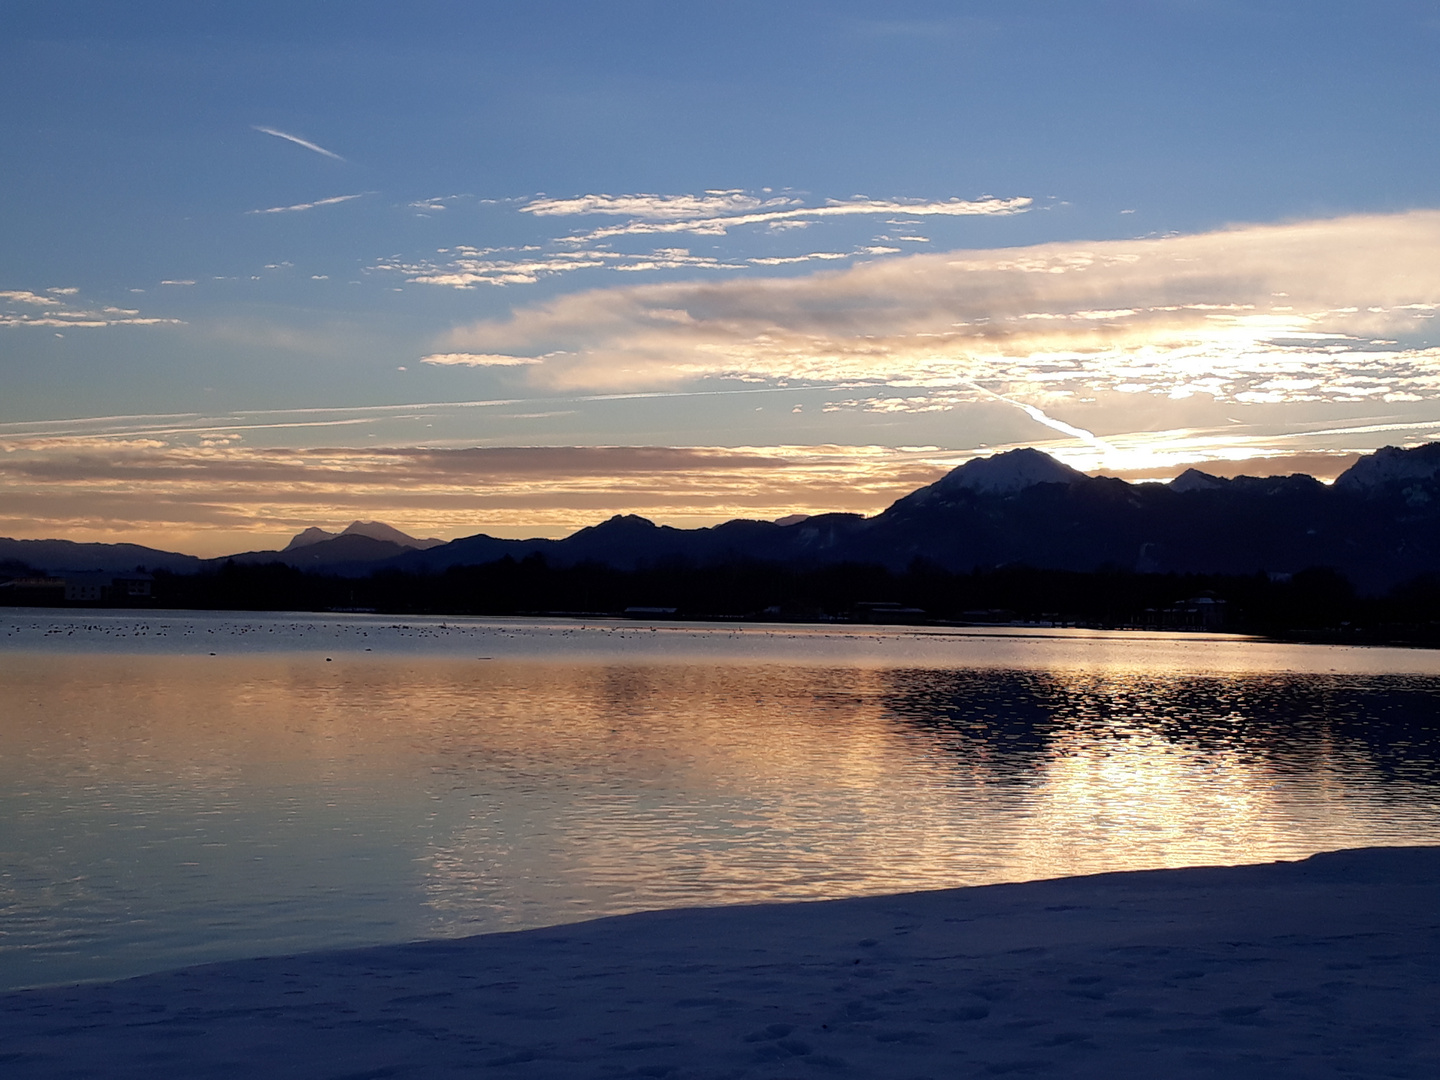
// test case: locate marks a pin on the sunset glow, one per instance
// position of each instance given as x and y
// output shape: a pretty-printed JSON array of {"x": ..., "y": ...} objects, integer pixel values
[{"x": 518, "y": 311}]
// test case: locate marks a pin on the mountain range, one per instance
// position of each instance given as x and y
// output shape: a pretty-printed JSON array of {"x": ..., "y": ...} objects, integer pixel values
[{"x": 1378, "y": 524}]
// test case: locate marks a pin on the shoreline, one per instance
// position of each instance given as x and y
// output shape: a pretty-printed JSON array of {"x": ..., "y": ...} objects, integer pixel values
[{"x": 1325, "y": 966}]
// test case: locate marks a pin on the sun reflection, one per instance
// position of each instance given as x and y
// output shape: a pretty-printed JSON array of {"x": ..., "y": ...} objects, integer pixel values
[{"x": 1148, "y": 801}]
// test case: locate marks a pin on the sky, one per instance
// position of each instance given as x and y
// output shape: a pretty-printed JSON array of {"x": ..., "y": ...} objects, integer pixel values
[{"x": 515, "y": 267}]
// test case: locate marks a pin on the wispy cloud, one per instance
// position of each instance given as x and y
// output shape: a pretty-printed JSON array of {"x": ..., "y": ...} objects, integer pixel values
[
  {"x": 438, "y": 202},
  {"x": 789, "y": 260},
  {"x": 719, "y": 224},
  {"x": 465, "y": 267},
  {"x": 656, "y": 207},
  {"x": 1176, "y": 316},
  {"x": 710, "y": 213},
  {"x": 310, "y": 205},
  {"x": 144, "y": 425},
  {"x": 298, "y": 141},
  {"x": 478, "y": 360}
]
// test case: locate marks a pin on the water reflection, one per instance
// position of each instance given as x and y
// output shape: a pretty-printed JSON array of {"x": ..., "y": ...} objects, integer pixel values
[
  {"x": 1288, "y": 720},
  {"x": 167, "y": 809},
  {"x": 1124, "y": 769}
]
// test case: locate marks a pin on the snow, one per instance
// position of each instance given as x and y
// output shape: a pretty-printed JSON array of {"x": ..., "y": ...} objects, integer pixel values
[
  {"x": 1012, "y": 471},
  {"x": 1195, "y": 480},
  {"x": 1324, "y": 967},
  {"x": 1390, "y": 465}
]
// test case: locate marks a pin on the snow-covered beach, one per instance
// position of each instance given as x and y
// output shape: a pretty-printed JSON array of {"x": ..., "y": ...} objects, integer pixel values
[{"x": 1327, "y": 966}]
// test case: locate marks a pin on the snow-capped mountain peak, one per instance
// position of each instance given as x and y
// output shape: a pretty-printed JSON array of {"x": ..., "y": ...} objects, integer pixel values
[
  {"x": 1011, "y": 471},
  {"x": 1195, "y": 480},
  {"x": 1391, "y": 465}
]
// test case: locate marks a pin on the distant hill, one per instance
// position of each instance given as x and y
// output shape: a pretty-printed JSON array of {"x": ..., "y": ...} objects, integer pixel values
[
  {"x": 59, "y": 556},
  {"x": 375, "y": 530},
  {"x": 352, "y": 553},
  {"x": 1378, "y": 524},
  {"x": 344, "y": 553}
]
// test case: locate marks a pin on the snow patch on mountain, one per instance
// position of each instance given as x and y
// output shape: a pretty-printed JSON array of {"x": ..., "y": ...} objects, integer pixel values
[
  {"x": 1391, "y": 465},
  {"x": 1014, "y": 470},
  {"x": 1195, "y": 480}
]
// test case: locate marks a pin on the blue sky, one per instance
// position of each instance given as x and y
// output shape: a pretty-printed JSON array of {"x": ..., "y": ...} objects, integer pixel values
[{"x": 270, "y": 265}]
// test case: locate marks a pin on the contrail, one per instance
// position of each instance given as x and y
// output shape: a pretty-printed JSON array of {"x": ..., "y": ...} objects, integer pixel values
[
  {"x": 1060, "y": 425},
  {"x": 306, "y": 143},
  {"x": 175, "y": 423},
  {"x": 1049, "y": 421},
  {"x": 309, "y": 205}
]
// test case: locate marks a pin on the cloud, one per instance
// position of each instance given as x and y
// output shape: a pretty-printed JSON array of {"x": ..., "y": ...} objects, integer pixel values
[
  {"x": 711, "y": 213},
  {"x": 23, "y": 307},
  {"x": 813, "y": 256},
  {"x": 25, "y": 296},
  {"x": 204, "y": 425},
  {"x": 306, "y": 143},
  {"x": 1175, "y": 316},
  {"x": 439, "y": 202},
  {"x": 655, "y": 207},
  {"x": 478, "y": 360},
  {"x": 309, "y": 205},
  {"x": 467, "y": 267},
  {"x": 718, "y": 225}
]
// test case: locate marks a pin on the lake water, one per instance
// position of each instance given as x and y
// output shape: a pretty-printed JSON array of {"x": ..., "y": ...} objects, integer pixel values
[{"x": 178, "y": 787}]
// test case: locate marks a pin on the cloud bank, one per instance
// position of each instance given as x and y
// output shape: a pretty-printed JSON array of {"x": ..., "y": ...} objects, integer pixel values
[{"x": 1331, "y": 310}]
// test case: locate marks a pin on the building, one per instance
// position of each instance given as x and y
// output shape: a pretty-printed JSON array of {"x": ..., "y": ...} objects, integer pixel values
[{"x": 96, "y": 588}]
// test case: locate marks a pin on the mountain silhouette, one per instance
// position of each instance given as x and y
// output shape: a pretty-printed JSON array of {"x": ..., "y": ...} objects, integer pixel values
[
  {"x": 375, "y": 530},
  {"x": 1378, "y": 524}
]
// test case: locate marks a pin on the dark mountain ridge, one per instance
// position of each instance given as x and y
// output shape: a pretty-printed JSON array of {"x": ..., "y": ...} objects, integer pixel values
[{"x": 1378, "y": 524}]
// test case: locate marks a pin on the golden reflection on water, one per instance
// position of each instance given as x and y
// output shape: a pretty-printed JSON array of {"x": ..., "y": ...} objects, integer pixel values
[{"x": 204, "y": 806}]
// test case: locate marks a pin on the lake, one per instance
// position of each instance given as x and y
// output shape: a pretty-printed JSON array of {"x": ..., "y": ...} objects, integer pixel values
[{"x": 177, "y": 787}]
